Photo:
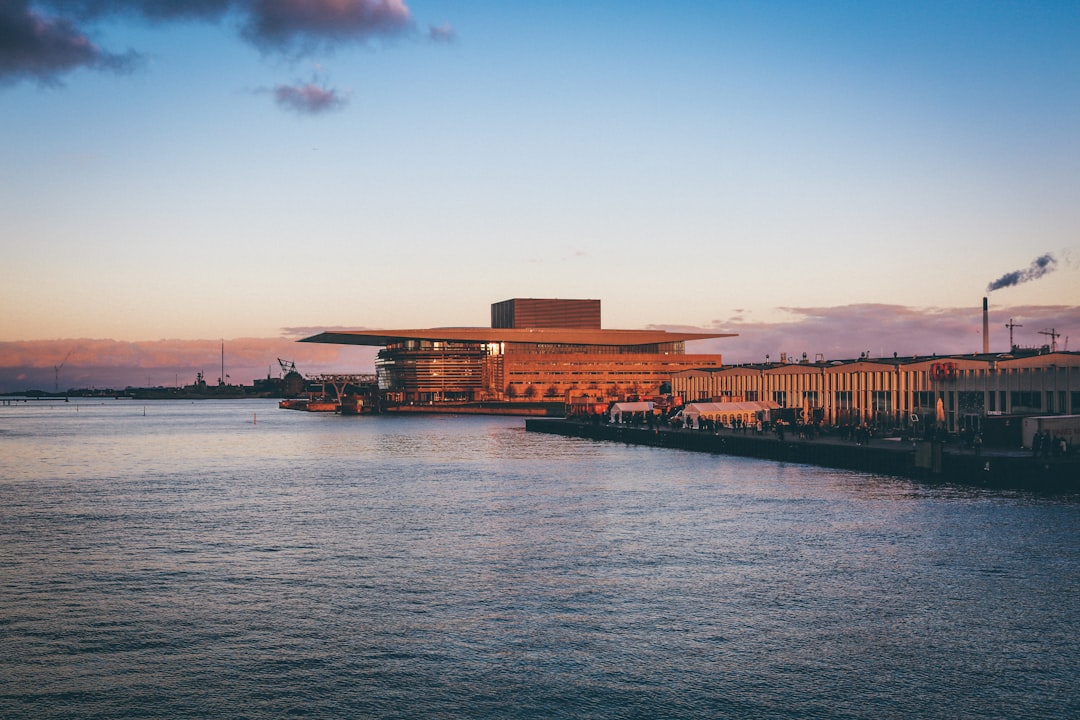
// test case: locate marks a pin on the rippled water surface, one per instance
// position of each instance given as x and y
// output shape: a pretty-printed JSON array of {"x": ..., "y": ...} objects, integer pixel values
[{"x": 229, "y": 559}]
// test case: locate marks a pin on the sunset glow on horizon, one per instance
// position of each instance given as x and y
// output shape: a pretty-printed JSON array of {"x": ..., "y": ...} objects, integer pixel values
[{"x": 825, "y": 178}]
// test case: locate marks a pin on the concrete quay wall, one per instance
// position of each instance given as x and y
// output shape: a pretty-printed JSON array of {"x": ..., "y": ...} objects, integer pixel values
[
  {"x": 523, "y": 408},
  {"x": 929, "y": 462}
]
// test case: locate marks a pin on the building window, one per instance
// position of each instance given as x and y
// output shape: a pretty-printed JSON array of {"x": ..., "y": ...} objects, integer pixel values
[
  {"x": 971, "y": 403},
  {"x": 882, "y": 401},
  {"x": 1026, "y": 400}
]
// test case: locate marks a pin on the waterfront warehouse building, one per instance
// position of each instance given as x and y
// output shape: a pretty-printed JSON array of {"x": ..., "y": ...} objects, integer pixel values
[
  {"x": 536, "y": 349},
  {"x": 901, "y": 391}
]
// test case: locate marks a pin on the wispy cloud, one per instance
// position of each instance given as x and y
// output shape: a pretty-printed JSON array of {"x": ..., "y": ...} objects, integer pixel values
[
  {"x": 442, "y": 33},
  {"x": 308, "y": 98},
  {"x": 40, "y": 46}
]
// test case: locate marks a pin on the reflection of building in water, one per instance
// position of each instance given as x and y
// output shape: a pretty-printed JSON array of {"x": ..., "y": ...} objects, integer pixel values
[
  {"x": 536, "y": 349},
  {"x": 896, "y": 391}
]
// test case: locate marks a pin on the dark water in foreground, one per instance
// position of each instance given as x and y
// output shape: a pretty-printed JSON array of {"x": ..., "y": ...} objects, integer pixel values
[{"x": 192, "y": 563}]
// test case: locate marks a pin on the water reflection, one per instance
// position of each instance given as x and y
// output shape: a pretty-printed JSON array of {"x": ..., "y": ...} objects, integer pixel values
[{"x": 460, "y": 567}]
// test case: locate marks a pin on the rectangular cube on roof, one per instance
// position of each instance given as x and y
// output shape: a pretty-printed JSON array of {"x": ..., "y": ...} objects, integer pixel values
[{"x": 546, "y": 313}]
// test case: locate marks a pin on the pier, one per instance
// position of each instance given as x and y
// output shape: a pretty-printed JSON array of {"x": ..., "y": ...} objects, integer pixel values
[
  {"x": 32, "y": 398},
  {"x": 920, "y": 460}
]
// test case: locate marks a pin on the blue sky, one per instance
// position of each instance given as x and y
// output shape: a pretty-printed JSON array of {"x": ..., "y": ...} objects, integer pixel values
[{"x": 704, "y": 164}]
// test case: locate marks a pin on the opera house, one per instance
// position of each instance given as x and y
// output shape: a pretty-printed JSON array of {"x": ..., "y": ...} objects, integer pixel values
[
  {"x": 536, "y": 349},
  {"x": 555, "y": 351}
]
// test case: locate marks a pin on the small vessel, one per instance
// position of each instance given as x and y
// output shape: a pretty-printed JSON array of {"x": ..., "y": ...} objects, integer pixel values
[
  {"x": 352, "y": 404},
  {"x": 310, "y": 404},
  {"x": 345, "y": 394}
]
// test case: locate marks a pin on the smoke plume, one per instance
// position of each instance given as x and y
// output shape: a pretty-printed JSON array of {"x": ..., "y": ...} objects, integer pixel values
[{"x": 1039, "y": 267}]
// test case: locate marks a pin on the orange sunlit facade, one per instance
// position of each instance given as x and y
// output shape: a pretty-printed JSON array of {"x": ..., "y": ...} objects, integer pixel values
[{"x": 561, "y": 354}]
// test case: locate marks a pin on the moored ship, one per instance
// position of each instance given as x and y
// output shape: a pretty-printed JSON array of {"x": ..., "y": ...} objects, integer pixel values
[{"x": 315, "y": 404}]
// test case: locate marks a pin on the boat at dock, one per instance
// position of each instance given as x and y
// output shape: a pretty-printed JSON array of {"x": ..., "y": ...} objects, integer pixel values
[
  {"x": 345, "y": 394},
  {"x": 354, "y": 404},
  {"x": 309, "y": 404}
]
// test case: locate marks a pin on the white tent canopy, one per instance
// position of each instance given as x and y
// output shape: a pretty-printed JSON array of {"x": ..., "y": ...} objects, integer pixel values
[
  {"x": 617, "y": 409},
  {"x": 727, "y": 410}
]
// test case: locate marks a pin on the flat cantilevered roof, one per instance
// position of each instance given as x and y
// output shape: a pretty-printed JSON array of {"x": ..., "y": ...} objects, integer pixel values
[{"x": 554, "y": 336}]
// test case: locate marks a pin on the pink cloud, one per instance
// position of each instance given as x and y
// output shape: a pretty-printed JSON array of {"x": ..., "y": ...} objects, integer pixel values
[
  {"x": 26, "y": 365},
  {"x": 847, "y": 331},
  {"x": 309, "y": 99},
  {"x": 836, "y": 333}
]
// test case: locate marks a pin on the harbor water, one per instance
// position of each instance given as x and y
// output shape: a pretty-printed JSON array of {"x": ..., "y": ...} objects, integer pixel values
[{"x": 228, "y": 559}]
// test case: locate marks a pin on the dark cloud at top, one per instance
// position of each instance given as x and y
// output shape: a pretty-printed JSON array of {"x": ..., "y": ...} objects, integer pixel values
[
  {"x": 299, "y": 24},
  {"x": 34, "y": 44},
  {"x": 42, "y": 48},
  {"x": 1039, "y": 267},
  {"x": 151, "y": 9}
]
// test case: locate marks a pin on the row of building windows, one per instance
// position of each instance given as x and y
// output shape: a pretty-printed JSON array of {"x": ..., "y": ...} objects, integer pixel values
[{"x": 897, "y": 394}]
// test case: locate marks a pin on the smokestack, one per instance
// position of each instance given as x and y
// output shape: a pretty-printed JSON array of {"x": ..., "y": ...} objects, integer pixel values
[{"x": 986, "y": 328}]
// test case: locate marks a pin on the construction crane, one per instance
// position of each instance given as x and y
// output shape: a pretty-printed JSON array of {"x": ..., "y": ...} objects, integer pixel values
[
  {"x": 56, "y": 372},
  {"x": 1054, "y": 335},
  {"x": 1012, "y": 325},
  {"x": 287, "y": 366}
]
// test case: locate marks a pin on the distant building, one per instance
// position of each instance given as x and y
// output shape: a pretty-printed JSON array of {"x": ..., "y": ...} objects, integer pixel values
[
  {"x": 898, "y": 392},
  {"x": 536, "y": 349}
]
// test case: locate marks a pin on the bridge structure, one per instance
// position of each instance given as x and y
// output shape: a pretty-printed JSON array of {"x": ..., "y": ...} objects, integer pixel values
[{"x": 339, "y": 381}]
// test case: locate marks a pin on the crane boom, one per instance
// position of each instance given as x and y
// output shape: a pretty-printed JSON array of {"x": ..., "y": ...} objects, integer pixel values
[
  {"x": 1054, "y": 335},
  {"x": 287, "y": 366},
  {"x": 56, "y": 372}
]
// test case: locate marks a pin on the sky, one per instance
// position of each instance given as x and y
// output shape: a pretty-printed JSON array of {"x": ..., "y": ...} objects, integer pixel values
[{"x": 828, "y": 177}]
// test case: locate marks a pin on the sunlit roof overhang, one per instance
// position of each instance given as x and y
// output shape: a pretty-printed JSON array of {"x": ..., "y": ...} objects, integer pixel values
[{"x": 553, "y": 336}]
